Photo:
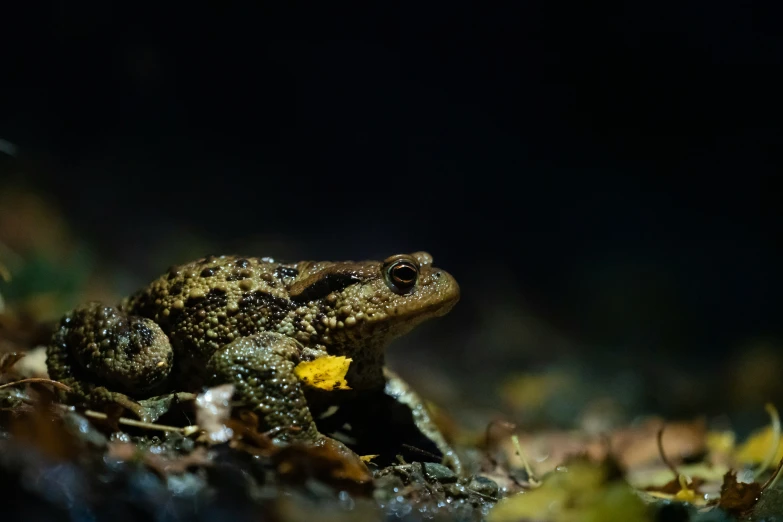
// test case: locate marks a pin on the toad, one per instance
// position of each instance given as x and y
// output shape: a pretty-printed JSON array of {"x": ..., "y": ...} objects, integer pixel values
[{"x": 248, "y": 322}]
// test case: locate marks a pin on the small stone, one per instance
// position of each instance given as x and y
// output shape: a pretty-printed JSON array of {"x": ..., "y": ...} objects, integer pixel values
[
  {"x": 484, "y": 486},
  {"x": 439, "y": 473}
]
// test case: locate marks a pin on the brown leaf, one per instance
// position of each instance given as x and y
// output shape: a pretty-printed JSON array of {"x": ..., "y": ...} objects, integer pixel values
[
  {"x": 638, "y": 446},
  {"x": 326, "y": 460},
  {"x": 738, "y": 497},
  {"x": 246, "y": 437}
]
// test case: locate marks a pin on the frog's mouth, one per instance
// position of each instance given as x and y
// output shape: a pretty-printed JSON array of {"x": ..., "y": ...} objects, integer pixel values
[
  {"x": 421, "y": 311},
  {"x": 439, "y": 308}
]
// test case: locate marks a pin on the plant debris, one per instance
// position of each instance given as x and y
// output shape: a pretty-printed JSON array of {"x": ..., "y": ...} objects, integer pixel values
[
  {"x": 326, "y": 373},
  {"x": 201, "y": 457}
]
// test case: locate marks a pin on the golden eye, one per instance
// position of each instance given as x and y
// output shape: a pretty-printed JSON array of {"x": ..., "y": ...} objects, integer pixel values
[{"x": 401, "y": 275}]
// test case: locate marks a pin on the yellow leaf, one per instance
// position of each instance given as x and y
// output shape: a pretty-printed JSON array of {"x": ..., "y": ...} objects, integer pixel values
[
  {"x": 658, "y": 477},
  {"x": 327, "y": 372},
  {"x": 367, "y": 458},
  {"x": 578, "y": 493},
  {"x": 720, "y": 441},
  {"x": 755, "y": 449},
  {"x": 685, "y": 494}
]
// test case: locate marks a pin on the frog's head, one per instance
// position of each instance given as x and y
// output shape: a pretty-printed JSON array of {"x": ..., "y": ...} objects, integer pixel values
[{"x": 372, "y": 302}]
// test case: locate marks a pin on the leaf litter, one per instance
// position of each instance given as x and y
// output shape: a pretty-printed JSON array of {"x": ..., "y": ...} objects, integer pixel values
[
  {"x": 581, "y": 478},
  {"x": 205, "y": 460}
]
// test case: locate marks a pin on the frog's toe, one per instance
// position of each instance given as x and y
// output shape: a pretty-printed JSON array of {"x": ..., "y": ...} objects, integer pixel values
[{"x": 101, "y": 398}]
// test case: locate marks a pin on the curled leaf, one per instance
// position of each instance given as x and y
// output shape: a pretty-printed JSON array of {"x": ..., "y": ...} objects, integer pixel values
[
  {"x": 327, "y": 460},
  {"x": 775, "y": 444},
  {"x": 738, "y": 497},
  {"x": 213, "y": 409},
  {"x": 579, "y": 491},
  {"x": 326, "y": 373}
]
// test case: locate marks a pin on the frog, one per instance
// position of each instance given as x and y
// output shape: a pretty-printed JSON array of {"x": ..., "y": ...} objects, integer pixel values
[{"x": 248, "y": 322}]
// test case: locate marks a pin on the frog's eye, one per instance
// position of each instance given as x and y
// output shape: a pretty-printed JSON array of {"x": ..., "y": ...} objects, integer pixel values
[{"x": 401, "y": 275}]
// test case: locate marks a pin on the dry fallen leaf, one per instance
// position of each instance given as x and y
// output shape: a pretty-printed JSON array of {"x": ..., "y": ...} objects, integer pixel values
[
  {"x": 326, "y": 373},
  {"x": 213, "y": 409},
  {"x": 680, "y": 489},
  {"x": 580, "y": 491},
  {"x": 757, "y": 447},
  {"x": 326, "y": 460},
  {"x": 738, "y": 497},
  {"x": 701, "y": 478},
  {"x": 246, "y": 437},
  {"x": 638, "y": 446}
]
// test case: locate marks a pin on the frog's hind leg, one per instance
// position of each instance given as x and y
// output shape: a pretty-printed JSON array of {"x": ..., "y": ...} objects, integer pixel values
[
  {"x": 261, "y": 367},
  {"x": 99, "y": 348}
]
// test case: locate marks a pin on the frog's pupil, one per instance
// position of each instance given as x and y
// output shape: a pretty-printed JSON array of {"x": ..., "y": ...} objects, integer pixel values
[{"x": 404, "y": 273}]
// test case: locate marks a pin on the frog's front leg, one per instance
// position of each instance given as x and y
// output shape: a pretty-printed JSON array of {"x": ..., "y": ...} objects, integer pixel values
[
  {"x": 261, "y": 367},
  {"x": 398, "y": 389},
  {"x": 104, "y": 355}
]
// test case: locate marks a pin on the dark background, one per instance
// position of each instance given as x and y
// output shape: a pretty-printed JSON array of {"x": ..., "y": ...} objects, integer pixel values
[{"x": 608, "y": 169}]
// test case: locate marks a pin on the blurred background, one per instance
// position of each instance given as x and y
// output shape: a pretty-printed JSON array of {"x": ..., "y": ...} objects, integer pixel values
[{"x": 599, "y": 179}]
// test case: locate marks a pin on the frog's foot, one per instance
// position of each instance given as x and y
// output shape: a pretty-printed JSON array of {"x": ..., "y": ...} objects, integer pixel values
[
  {"x": 261, "y": 367},
  {"x": 101, "y": 398},
  {"x": 145, "y": 410}
]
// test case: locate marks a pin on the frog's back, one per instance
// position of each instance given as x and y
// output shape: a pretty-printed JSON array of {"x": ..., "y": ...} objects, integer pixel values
[{"x": 208, "y": 303}]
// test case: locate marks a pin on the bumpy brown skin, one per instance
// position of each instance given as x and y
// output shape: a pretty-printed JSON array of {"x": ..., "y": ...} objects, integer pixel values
[{"x": 248, "y": 322}]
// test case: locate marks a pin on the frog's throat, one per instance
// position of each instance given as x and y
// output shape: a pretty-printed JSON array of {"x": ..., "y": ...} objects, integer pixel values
[{"x": 367, "y": 362}]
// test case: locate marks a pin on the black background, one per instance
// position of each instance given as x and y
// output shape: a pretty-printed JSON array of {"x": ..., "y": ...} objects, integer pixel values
[{"x": 614, "y": 165}]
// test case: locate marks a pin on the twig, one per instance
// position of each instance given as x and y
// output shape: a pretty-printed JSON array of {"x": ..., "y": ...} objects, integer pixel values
[
  {"x": 663, "y": 455},
  {"x": 187, "y": 430},
  {"x": 773, "y": 449},
  {"x": 56, "y": 384},
  {"x": 530, "y": 477}
]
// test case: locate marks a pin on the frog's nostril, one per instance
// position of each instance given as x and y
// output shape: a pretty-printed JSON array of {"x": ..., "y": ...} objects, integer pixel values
[{"x": 437, "y": 274}]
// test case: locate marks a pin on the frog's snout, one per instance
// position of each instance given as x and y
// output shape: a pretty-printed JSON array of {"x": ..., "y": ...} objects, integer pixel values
[{"x": 448, "y": 291}]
